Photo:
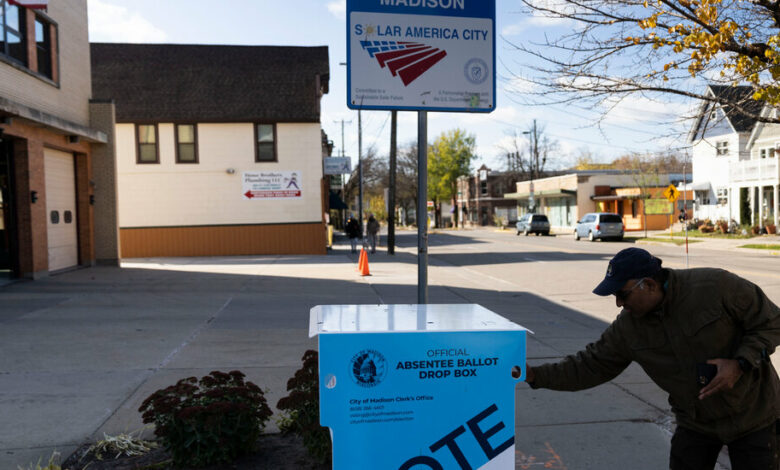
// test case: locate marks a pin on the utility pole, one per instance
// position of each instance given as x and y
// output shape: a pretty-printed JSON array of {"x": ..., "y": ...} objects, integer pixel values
[
  {"x": 534, "y": 164},
  {"x": 536, "y": 152},
  {"x": 391, "y": 195},
  {"x": 342, "y": 133},
  {"x": 341, "y": 177}
]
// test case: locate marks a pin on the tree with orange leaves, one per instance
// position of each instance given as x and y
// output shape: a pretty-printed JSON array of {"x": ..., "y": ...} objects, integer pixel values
[{"x": 658, "y": 48}]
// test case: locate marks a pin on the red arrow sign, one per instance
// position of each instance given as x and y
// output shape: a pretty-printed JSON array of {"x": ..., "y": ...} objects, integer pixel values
[{"x": 249, "y": 194}]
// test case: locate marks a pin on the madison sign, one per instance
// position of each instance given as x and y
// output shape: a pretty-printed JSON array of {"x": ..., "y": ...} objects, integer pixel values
[{"x": 436, "y": 55}]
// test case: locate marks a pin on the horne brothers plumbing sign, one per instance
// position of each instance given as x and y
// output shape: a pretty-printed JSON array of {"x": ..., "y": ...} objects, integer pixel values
[
  {"x": 435, "y": 55},
  {"x": 260, "y": 185}
]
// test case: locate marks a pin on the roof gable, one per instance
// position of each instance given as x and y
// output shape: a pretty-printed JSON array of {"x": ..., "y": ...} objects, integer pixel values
[
  {"x": 738, "y": 121},
  {"x": 760, "y": 126},
  {"x": 182, "y": 82}
]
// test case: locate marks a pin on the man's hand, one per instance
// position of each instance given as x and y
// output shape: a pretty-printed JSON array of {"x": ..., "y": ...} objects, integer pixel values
[
  {"x": 728, "y": 374},
  {"x": 529, "y": 373}
]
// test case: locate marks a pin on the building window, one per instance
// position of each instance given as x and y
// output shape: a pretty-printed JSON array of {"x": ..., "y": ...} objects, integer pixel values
[
  {"x": 723, "y": 196},
  {"x": 713, "y": 114},
  {"x": 483, "y": 189},
  {"x": 186, "y": 143},
  {"x": 147, "y": 143},
  {"x": 15, "y": 35},
  {"x": 722, "y": 147},
  {"x": 265, "y": 143},
  {"x": 12, "y": 37},
  {"x": 767, "y": 153},
  {"x": 43, "y": 47}
]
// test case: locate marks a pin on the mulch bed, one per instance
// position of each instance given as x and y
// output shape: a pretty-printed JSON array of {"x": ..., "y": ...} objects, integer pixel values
[{"x": 274, "y": 451}]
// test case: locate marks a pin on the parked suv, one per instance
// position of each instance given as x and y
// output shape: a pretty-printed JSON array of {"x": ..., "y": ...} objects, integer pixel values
[
  {"x": 602, "y": 225},
  {"x": 533, "y": 223}
]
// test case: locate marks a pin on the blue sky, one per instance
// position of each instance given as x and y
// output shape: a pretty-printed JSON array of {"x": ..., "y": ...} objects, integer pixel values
[{"x": 635, "y": 124}]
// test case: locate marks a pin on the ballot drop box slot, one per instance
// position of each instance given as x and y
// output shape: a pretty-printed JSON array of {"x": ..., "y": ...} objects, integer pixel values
[{"x": 416, "y": 387}]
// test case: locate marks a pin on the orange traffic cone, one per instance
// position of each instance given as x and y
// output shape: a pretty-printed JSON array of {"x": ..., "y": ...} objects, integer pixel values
[
  {"x": 364, "y": 269},
  {"x": 361, "y": 259}
]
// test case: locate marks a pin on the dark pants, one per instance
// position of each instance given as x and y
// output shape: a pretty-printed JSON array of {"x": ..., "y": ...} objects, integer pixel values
[{"x": 695, "y": 451}]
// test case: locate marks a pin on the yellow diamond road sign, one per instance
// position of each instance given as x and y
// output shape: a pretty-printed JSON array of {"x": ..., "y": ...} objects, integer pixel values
[{"x": 671, "y": 193}]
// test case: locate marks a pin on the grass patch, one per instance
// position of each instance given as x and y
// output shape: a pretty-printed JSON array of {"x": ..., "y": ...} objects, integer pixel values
[
  {"x": 699, "y": 234},
  {"x": 674, "y": 241},
  {"x": 761, "y": 246}
]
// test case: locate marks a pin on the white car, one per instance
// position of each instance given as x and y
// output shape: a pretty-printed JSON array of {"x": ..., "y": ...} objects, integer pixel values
[
  {"x": 603, "y": 225},
  {"x": 533, "y": 223}
]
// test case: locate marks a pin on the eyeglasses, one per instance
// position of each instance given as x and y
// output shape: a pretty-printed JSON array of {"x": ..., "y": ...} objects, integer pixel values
[{"x": 622, "y": 295}]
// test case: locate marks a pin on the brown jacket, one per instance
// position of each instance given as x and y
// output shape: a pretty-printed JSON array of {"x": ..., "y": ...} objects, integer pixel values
[{"x": 706, "y": 314}]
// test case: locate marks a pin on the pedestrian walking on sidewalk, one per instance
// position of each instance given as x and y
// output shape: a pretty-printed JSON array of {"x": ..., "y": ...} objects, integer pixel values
[
  {"x": 353, "y": 231},
  {"x": 704, "y": 336},
  {"x": 372, "y": 228}
]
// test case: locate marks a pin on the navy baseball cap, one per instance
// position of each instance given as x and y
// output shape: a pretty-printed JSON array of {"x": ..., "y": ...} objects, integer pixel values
[{"x": 631, "y": 263}]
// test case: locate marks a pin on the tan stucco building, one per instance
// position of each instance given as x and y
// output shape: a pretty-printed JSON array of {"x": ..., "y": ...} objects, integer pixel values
[
  {"x": 566, "y": 198},
  {"x": 219, "y": 148}
]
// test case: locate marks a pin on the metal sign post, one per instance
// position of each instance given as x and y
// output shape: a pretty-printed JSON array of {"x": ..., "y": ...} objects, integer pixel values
[
  {"x": 685, "y": 208},
  {"x": 422, "y": 207},
  {"x": 671, "y": 193}
]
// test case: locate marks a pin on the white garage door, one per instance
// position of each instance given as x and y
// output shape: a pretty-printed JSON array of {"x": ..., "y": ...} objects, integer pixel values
[{"x": 61, "y": 209}]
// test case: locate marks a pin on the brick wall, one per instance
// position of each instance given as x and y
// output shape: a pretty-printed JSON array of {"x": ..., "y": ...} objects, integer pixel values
[
  {"x": 85, "y": 213},
  {"x": 27, "y": 153},
  {"x": 68, "y": 96},
  {"x": 33, "y": 244},
  {"x": 104, "y": 174}
]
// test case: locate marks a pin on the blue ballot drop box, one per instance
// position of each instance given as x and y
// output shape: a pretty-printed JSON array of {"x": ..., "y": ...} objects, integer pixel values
[{"x": 418, "y": 386}]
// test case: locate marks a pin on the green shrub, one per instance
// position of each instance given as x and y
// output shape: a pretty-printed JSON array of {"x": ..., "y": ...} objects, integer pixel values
[
  {"x": 206, "y": 421},
  {"x": 301, "y": 409}
]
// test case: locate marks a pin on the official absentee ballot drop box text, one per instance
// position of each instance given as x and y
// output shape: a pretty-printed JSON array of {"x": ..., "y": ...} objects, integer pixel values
[{"x": 418, "y": 386}]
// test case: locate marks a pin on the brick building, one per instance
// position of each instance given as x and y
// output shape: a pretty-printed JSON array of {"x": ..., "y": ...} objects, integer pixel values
[
  {"x": 481, "y": 197},
  {"x": 50, "y": 135}
]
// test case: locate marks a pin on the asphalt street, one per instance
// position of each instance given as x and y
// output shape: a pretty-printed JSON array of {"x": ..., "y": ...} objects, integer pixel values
[{"x": 79, "y": 351}]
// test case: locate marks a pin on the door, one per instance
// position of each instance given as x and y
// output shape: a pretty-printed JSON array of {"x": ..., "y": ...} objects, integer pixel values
[
  {"x": 9, "y": 255},
  {"x": 61, "y": 209}
]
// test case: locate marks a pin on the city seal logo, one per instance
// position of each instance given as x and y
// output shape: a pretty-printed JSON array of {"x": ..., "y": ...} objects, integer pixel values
[
  {"x": 368, "y": 368},
  {"x": 476, "y": 71}
]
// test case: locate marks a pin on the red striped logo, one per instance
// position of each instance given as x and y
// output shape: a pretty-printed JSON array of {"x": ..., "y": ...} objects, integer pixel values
[{"x": 407, "y": 60}]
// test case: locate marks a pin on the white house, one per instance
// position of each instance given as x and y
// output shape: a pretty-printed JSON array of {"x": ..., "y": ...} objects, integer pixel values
[
  {"x": 219, "y": 148},
  {"x": 761, "y": 174},
  {"x": 719, "y": 138}
]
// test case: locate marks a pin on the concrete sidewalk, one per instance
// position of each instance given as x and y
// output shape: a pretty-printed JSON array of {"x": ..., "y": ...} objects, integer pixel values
[{"x": 80, "y": 351}]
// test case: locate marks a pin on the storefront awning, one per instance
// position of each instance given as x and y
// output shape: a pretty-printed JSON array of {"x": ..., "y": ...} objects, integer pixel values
[
  {"x": 545, "y": 193},
  {"x": 703, "y": 186},
  {"x": 617, "y": 197}
]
